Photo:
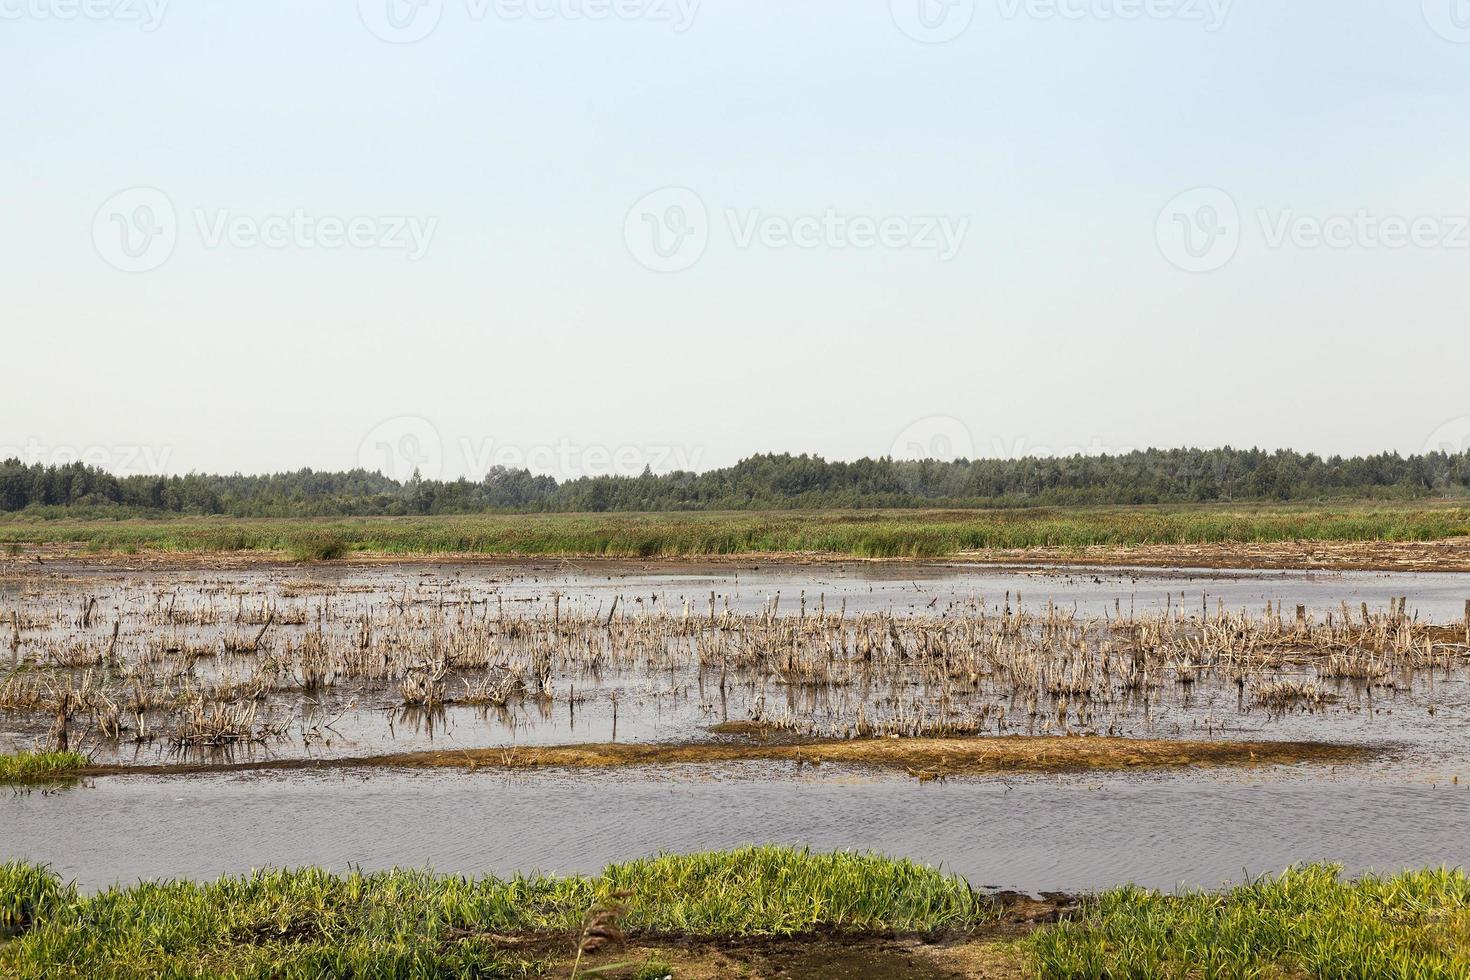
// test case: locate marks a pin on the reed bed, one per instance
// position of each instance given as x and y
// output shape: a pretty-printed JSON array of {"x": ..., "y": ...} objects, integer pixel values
[
  {"x": 860, "y": 534},
  {"x": 311, "y": 923},
  {"x": 1307, "y": 922},
  {"x": 229, "y": 664}
]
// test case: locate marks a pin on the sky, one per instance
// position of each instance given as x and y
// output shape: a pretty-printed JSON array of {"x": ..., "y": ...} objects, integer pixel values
[{"x": 590, "y": 236}]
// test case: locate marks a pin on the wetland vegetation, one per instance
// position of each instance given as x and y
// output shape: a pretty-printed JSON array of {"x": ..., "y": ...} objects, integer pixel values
[
  {"x": 240, "y": 665},
  {"x": 729, "y": 914},
  {"x": 861, "y": 534},
  {"x": 112, "y": 672}
]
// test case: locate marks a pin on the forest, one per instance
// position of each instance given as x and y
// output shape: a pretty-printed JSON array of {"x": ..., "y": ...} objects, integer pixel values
[{"x": 763, "y": 482}]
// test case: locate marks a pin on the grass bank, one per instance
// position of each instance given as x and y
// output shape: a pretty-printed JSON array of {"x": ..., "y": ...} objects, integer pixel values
[
  {"x": 408, "y": 923},
  {"x": 759, "y": 911},
  {"x": 870, "y": 534},
  {"x": 39, "y": 767},
  {"x": 1305, "y": 923}
]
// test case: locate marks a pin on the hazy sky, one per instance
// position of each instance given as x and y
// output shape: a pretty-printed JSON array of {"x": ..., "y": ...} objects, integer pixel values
[{"x": 588, "y": 235}]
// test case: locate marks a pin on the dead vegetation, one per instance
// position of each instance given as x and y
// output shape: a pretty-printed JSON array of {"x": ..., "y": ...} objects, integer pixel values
[{"x": 231, "y": 663}]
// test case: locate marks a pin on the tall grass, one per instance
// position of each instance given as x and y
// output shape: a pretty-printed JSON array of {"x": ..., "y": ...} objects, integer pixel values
[
  {"x": 875, "y": 534},
  {"x": 28, "y": 893},
  {"x": 410, "y": 923},
  {"x": 35, "y": 767},
  {"x": 1304, "y": 923}
]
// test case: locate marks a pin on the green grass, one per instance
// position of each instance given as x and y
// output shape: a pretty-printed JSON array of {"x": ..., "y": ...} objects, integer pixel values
[
  {"x": 1308, "y": 922},
  {"x": 865, "y": 534},
  {"x": 36, "y": 767},
  {"x": 408, "y": 923},
  {"x": 1304, "y": 923}
]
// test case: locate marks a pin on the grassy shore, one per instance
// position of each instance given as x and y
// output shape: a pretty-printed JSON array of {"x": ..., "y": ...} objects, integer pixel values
[
  {"x": 409, "y": 923},
  {"x": 1307, "y": 922},
  {"x": 870, "y": 534},
  {"x": 38, "y": 767}
]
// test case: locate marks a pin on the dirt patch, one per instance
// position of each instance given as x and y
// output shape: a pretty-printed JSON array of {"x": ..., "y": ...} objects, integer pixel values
[
  {"x": 923, "y": 758},
  {"x": 988, "y": 953}
]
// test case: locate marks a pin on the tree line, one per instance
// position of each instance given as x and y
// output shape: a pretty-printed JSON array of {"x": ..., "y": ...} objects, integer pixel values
[{"x": 761, "y": 482}]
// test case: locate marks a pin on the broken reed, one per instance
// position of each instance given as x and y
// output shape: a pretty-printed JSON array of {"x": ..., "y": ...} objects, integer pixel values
[
  {"x": 862, "y": 534},
  {"x": 233, "y": 664}
]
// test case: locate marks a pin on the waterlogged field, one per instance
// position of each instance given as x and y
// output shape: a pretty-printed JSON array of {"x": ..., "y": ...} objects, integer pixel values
[
  {"x": 1026, "y": 730},
  {"x": 278, "y": 665}
]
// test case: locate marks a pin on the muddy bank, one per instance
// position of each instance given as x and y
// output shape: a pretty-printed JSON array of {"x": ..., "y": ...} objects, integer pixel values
[
  {"x": 922, "y": 758},
  {"x": 987, "y": 953},
  {"x": 1450, "y": 555}
]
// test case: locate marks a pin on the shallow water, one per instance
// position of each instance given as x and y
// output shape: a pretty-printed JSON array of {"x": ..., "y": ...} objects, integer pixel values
[
  {"x": 867, "y": 587},
  {"x": 1070, "y": 834},
  {"x": 632, "y": 703}
]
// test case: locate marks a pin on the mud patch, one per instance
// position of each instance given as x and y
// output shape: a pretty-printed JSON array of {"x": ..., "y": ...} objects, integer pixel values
[{"x": 922, "y": 758}]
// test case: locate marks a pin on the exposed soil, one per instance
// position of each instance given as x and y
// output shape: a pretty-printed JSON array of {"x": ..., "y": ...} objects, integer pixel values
[
  {"x": 989, "y": 953},
  {"x": 923, "y": 758}
]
